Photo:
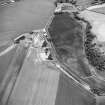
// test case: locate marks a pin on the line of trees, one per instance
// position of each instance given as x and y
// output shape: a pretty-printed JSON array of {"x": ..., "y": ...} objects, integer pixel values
[
  {"x": 65, "y": 1},
  {"x": 98, "y": 1},
  {"x": 91, "y": 2}
]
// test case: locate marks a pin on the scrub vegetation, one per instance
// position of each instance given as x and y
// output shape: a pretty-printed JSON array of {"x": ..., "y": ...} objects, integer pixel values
[
  {"x": 66, "y": 34},
  {"x": 93, "y": 51}
]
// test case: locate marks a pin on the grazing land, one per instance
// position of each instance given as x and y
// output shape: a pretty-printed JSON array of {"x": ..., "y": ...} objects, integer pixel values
[{"x": 24, "y": 16}]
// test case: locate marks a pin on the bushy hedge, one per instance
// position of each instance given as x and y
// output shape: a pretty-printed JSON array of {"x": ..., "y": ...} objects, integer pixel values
[{"x": 93, "y": 54}]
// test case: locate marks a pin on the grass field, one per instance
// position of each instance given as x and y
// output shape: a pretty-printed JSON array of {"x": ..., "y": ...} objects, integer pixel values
[{"x": 24, "y": 16}]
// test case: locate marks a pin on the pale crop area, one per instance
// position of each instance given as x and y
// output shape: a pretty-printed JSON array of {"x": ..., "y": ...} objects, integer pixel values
[{"x": 98, "y": 23}]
